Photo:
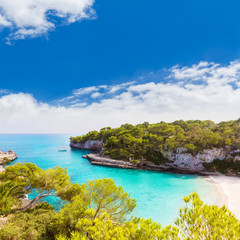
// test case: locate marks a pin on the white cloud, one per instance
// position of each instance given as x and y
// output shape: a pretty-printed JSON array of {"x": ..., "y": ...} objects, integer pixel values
[
  {"x": 88, "y": 94},
  {"x": 212, "y": 92},
  {"x": 210, "y": 73},
  {"x": 96, "y": 95},
  {"x": 82, "y": 91},
  {"x": 31, "y": 18},
  {"x": 118, "y": 87},
  {"x": 4, "y": 22}
]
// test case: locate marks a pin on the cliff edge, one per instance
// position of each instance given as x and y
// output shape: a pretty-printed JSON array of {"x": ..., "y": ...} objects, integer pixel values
[
  {"x": 6, "y": 157},
  {"x": 93, "y": 145},
  {"x": 179, "y": 161}
]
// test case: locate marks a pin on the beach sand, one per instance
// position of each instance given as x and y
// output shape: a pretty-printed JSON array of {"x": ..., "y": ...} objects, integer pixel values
[{"x": 228, "y": 193}]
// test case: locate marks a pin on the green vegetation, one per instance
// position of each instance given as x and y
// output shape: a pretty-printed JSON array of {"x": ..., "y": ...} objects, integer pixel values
[
  {"x": 97, "y": 210},
  {"x": 33, "y": 224},
  {"x": 29, "y": 177},
  {"x": 200, "y": 221},
  {"x": 148, "y": 141},
  {"x": 4, "y": 161},
  {"x": 223, "y": 166},
  {"x": 10, "y": 195}
]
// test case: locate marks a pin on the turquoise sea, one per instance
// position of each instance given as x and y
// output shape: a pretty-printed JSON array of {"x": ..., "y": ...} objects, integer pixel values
[{"x": 159, "y": 195}]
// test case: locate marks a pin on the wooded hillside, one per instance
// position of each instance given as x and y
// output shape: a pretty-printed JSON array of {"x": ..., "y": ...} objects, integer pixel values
[{"x": 147, "y": 141}]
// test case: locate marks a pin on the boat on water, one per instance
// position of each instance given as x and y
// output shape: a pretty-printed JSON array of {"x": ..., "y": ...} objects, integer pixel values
[{"x": 62, "y": 150}]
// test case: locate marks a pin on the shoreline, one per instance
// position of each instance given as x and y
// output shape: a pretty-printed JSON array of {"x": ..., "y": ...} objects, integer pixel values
[
  {"x": 100, "y": 160},
  {"x": 6, "y": 157},
  {"x": 228, "y": 192},
  {"x": 227, "y": 188}
]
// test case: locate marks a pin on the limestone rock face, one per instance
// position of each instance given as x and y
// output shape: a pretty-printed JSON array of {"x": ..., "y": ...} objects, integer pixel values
[
  {"x": 7, "y": 156},
  {"x": 210, "y": 154},
  {"x": 180, "y": 159},
  {"x": 195, "y": 162},
  {"x": 93, "y": 145},
  {"x": 236, "y": 155},
  {"x": 187, "y": 160},
  {"x": 96, "y": 159}
]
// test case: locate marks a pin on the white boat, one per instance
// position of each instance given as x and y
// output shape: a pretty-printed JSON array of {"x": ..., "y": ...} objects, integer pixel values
[{"x": 62, "y": 150}]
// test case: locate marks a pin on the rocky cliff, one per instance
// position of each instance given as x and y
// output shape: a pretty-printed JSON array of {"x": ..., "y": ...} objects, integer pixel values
[
  {"x": 97, "y": 159},
  {"x": 181, "y": 158},
  {"x": 7, "y": 156},
  {"x": 93, "y": 145},
  {"x": 179, "y": 161}
]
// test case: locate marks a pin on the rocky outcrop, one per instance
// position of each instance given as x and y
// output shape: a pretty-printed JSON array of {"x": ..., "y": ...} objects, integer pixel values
[
  {"x": 182, "y": 159},
  {"x": 97, "y": 159},
  {"x": 236, "y": 155},
  {"x": 179, "y": 161},
  {"x": 93, "y": 145},
  {"x": 5, "y": 157}
]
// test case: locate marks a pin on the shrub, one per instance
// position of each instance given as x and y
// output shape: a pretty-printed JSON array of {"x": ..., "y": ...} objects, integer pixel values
[{"x": 223, "y": 166}]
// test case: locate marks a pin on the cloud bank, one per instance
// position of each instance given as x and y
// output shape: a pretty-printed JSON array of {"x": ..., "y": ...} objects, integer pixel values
[
  {"x": 32, "y": 18},
  {"x": 202, "y": 91}
]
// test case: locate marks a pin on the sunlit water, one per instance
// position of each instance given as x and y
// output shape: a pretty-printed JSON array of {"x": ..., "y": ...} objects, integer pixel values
[{"x": 159, "y": 195}]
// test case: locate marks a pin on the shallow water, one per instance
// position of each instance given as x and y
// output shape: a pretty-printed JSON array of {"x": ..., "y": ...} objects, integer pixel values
[{"x": 159, "y": 195}]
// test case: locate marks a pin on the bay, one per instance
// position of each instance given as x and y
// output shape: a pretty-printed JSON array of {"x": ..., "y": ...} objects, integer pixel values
[{"x": 159, "y": 195}]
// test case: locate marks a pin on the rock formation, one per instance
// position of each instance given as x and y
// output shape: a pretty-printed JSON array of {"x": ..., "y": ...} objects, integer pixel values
[
  {"x": 93, "y": 145},
  {"x": 181, "y": 158},
  {"x": 7, "y": 156},
  {"x": 179, "y": 161},
  {"x": 97, "y": 159}
]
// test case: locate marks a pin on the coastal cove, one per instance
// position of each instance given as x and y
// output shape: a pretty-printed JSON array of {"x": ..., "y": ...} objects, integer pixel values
[{"x": 159, "y": 195}]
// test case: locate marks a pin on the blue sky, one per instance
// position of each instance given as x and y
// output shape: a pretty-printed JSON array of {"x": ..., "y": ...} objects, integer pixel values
[{"x": 115, "y": 42}]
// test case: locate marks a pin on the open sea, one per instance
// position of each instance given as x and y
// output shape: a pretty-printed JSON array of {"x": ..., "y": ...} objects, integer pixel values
[{"x": 159, "y": 195}]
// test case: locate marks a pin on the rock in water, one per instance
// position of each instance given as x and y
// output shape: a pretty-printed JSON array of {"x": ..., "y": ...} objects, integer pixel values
[{"x": 5, "y": 157}]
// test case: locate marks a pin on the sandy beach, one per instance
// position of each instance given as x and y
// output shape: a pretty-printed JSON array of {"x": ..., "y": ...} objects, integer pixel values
[{"x": 228, "y": 190}]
